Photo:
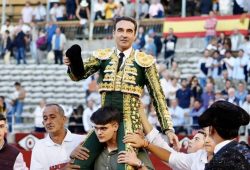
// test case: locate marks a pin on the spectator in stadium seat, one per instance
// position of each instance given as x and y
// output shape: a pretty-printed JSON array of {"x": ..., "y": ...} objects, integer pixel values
[
  {"x": 53, "y": 152},
  {"x": 70, "y": 9},
  {"x": 246, "y": 46},
  {"x": 204, "y": 65},
  {"x": 89, "y": 110},
  {"x": 165, "y": 83},
  {"x": 10, "y": 157},
  {"x": 241, "y": 93},
  {"x": 240, "y": 67},
  {"x": 195, "y": 87},
  {"x": 33, "y": 38},
  {"x": 19, "y": 44},
  {"x": 216, "y": 66},
  {"x": 185, "y": 96},
  {"x": 237, "y": 39},
  {"x": 39, "y": 12},
  {"x": 156, "y": 9},
  {"x": 246, "y": 104},
  {"x": 27, "y": 13},
  {"x": 228, "y": 62},
  {"x": 177, "y": 114},
  {"x": 57, "y": 12},
  {"x": 141, "y": 37},
  {"x": 120, "y": 10},
  {"x": 99, "y": 10},
  {"x": 129, "y": 9},
  {"x": 58, "y": 45},
  {"x": 7, "y": 26},
  {"x": 143, "y": 9},
  {"x": 75, "y": 121},
  {"x": 169, "y": 43},
  {"x": 225, "y": 7},
  {"x": 41, "y": 45},
  {"x": 196, "y": 111},
  {"x": 208, "y": 95},
  {"x": 228, "y": 84},
  {"x": 231, "y": 96},
  {"x": 174, "y": 70},
  {"x": 210, "y": 27},
  {"x": 50, "y": 31},
  {"x": 150, "y": 47},
  {"x": 157, "y": 41},
  {"x": 205, "y": 7},
  {"x": 110, "y": 9},
  {"x": 7, "y": 47},
  {"x": 83, "y": 14},
  {"x": 173, "y": 87},
  {"x": 18, "y": 97},
  {"x": 38, "y": 113},
  {"x": 238, "y": 7}
]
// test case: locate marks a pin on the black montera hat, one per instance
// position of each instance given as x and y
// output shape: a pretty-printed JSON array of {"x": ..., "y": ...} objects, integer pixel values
[
  {"x": 76, "y": 63},
  {"x": 223, "y": 114}
]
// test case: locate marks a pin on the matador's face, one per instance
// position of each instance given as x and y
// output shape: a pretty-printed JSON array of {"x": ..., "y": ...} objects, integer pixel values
[{"x": 124, "y": 35}]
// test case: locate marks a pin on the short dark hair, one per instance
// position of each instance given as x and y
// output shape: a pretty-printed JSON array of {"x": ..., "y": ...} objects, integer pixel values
[
  {"x": 2, "y": 117},
  {"x": 60, "y": 109},
  {"x": 105, "y": 115},
  {"x": 17, "y": 84},
  {"x": 124, "y": 18}
]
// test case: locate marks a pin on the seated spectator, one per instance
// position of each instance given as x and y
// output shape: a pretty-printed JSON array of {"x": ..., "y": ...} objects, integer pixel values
[
  {"x": 174, "y": 70},
  {"x": 57, "y": 12},
  {"x": 246, "y": 46},
  {"x": 236, "y": 39},
  {"x": 228, "y": 63},
  {"x": 11, "y": 157},
  {"x": 143, "y": 9},
  {"x": 225, "y": 7},
  {"x": 152, "y": 118},
  {"x": 205, "y": 7},
  {"x": 197, "y": 110},
  {"x": 174, "y": 86},
  {"x": 156, "y": 9},
  {"x": 195, "y": 87},
  {"x": 157, "y": 41},
  {"x": 129, "y": 9},
  {"x": 241, "y": 93},
  {"x": 27, "y": 13},
  {"x": 70, "y": 9},
  {"x": 169, "y": 44},
  {"x": 120, "y": 10},
  {"x": 38, "y": 113},
  {"x": 7, "y": 47},
  {"x": 246, "y": 104},
  {"x": 208, "y": 95},
  {"x": 177, "y": 115},
  {"x": 240, "y": 67},
  {"x": 99, "y": 9},
  {"x": 231, "y": 96},
  {"x": 141, "y": 37},
  {"x": 212, "y": 46},
  {"x": 39, "y": 12},
  {"x": 110, "y": 9},
  {"x": 75, "y": 121},
  {"x": 165, "y": 83},
  {"x": 7, "y": 26},
  {"x": 90, "y": 109},
  {"x": 150, "y": 47},
  {"x": 54, "y": 150},
  {"x": 185, "y": 96},
  {"x": 216, "y": 66},
  {"x": 227, "y": 85},
  {"x": 83, "y": 14},
  {"x": 41, "y": 45},
  {"x": 221, "y": 39},
  {"x": 204, "y": 65}
]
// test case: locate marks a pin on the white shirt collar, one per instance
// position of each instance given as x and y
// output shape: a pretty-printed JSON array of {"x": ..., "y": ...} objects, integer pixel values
[
  {"x": 67, "y": 138},
  {"x": 126, "y": 52},
  {"x": 221, "y": 145}
]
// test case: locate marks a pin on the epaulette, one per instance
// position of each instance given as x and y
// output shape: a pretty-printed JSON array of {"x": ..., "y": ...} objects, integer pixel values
[
  {"x": 103, "y": 54},
  {"x": 143, "y": 59}
]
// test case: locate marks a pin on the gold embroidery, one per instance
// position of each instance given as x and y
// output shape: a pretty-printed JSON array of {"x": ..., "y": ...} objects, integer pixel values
[
  {"x": 144, "y": 60},
  {"x": 103, "y": 54},
  {"x": 159, "y": 101}
]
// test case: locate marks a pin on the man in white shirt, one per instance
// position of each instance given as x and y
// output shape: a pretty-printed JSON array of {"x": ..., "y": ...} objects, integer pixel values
[
  {"x": 53, "y": 152},
  {"x": 39, "y": 12},
  {"x": 239, "y": 67},
  {"x": 87, "y": 114},
  {"x": 229, "y": 62},
  {"x": 177, "y": 114},
  {"x": 27, "y": 13}
]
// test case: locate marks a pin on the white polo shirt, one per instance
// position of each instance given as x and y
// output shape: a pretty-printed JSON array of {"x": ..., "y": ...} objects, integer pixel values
[{"x": 48, "y": 155}]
